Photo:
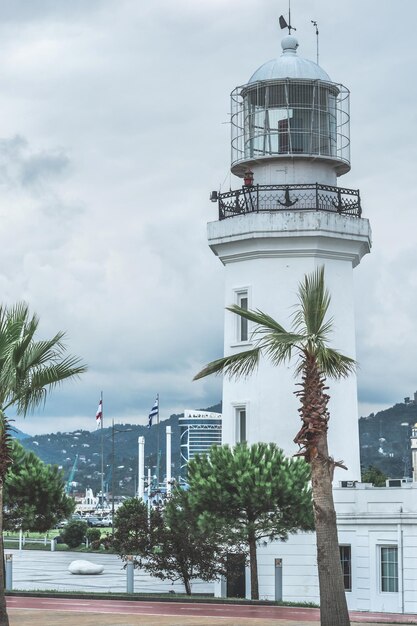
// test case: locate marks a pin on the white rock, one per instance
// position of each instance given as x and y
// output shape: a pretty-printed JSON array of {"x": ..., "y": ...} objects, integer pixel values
[{"x": 85, "y": 567}]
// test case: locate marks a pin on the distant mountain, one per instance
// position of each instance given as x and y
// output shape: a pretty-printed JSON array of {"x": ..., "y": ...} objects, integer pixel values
[
  {"x": 385, "y": 439},
  {"x": 79, "y": 453},
  {"x": 216, "y": 408},
  {"x": 384, "y": 443},
  {"x": 19, "y": 435}
]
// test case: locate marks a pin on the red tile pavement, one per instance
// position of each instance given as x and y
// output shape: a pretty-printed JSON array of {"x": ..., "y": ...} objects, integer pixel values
[{"x": 58, "y": 611}]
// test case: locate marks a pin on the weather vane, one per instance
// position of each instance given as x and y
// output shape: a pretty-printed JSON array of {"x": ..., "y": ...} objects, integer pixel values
[
  {"x": 317, "y": 38},
  {"x": 283, "y": 22}
]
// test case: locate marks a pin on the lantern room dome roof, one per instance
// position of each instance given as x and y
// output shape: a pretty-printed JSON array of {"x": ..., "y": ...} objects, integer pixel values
[{"x": 289, "y": 65}]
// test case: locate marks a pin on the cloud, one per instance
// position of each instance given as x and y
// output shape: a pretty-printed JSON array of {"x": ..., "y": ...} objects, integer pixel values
[
  {"x": 21, "y": 168},
  {"x": 115, "y": 127},
  {"x": 21, "y": 11}
]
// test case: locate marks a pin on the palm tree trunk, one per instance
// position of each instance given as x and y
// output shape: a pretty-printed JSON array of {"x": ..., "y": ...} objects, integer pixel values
[
  {"x": 313, "y": 440},
  {"x": 4, "y": 620},
  {"x": 333, "y": 606},
  {"x": 253, "y": 559}
]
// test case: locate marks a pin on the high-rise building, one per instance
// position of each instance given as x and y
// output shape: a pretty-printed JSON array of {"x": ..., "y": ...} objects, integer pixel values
[{"x": 199, "y": 430}]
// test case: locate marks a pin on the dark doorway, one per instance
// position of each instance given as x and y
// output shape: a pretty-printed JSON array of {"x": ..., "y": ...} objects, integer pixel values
[{"x": 235, "y": 578}]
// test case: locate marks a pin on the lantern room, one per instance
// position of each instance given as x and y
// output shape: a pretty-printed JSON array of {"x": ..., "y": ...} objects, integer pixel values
[{"x": 290, "y": 110}]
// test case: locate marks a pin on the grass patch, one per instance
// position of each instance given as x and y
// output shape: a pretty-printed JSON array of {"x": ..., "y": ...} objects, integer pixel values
[
  {"x": 12, "y": 545},
  {"x": 36, "y": 541},
  {"x": 59, "y": 547},
  {"x": 40, "y": 536}
]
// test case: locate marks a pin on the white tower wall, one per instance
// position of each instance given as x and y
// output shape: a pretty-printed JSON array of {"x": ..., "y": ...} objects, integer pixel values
[
  {"x": 290, "y": 171},
  {"x": 267, "y": 255}
]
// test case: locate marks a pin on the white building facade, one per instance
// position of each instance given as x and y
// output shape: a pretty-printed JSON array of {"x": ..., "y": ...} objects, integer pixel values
[
  {"x": 290, "y": 144},
  {"x": 378, "y": 544}
]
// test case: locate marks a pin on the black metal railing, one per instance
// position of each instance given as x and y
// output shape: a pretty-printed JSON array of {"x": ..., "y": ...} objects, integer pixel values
[{"x": 270, "y": 198}]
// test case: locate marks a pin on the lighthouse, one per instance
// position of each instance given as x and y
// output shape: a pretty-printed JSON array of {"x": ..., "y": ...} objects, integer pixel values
[{"x": 287, "y": 216}]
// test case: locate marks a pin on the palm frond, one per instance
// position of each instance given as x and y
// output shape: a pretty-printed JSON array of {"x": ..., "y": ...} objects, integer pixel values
[
  {"x": 314, "y": 300},
  {"x": 40, "y": 352},
  {"x": 234, "y": 366},
  {"x": 280, "y": 346},
  {"x": 310, "y": 336},
  {"x": 261, "y": 319},
  {"x": 272, "y": 338},
  {"x": 326, "y": 329},
  {"x": 33, "y": 390},
  {"x": 334, "y": 364},
  {"x": 30, "y": 368}
]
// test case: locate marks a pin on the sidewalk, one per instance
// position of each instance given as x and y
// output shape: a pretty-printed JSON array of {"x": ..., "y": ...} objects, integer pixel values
[
  {"x": 83, "y": 612},
  {"x": 45, "y": 618},
  {"x": 21, "y": 618},
  {"x": 35, "y": 570},
  {"x": 45, "y": 570}
]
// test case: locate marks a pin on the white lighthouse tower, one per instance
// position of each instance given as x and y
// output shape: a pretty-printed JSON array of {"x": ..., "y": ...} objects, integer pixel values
[{"x": 290, "y": 143}]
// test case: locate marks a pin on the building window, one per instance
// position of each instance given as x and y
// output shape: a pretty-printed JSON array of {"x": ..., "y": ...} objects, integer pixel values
[
  {"x": 389, "y": 569},
  {"x": 346, "y": 563},
  {"x": 242, "y": 329},
  {"x": 240, "y": 425}
]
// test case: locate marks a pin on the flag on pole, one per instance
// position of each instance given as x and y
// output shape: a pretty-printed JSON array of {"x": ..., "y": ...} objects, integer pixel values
[
  {"x": 154, "y": 411},
  {"x": 99, "y": 414}
]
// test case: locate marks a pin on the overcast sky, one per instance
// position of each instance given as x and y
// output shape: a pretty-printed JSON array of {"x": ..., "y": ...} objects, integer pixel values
[{"x": 114, "y": 129}]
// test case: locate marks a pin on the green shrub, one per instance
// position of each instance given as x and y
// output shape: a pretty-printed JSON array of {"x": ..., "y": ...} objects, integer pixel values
[
  {"x": 93, "y": 534},
  {"x": 73, "y": 534}
]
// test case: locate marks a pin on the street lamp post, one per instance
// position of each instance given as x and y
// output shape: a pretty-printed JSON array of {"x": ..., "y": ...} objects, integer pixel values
[
  {"x": 112, "y": 480},
  {"x": 141, "y": 467}
]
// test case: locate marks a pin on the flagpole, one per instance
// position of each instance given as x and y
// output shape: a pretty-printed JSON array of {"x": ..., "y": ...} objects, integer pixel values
[
  {"x": 102, "y": 453},
  {"x": 157, "y": 454}
]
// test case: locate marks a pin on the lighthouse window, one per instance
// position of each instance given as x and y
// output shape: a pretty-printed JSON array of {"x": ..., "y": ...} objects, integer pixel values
[
  {"x": 242, "y": 323},
  {"x": 240, "y": 424}
]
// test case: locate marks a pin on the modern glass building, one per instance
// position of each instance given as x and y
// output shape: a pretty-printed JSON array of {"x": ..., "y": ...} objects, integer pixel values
[{"x": 199, "y": 430}]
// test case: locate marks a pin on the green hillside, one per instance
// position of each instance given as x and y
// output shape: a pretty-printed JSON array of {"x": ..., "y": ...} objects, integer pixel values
[
  {"x": 385, "y": 442},
  {"x": 62, "y": 448},
  {"x": 83, "y": 447}
]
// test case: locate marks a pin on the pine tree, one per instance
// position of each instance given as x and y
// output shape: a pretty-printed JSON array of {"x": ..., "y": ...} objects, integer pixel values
[
  {"x": 34, "y": 496},
  {"x": 169, "y": 542},
  {"x": 249, "y": 493}
]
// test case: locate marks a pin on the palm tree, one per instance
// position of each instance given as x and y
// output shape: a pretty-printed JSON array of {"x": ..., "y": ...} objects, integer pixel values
[
  {"x": 315, "y": 361},
  {"x": 29, "y": 369}
]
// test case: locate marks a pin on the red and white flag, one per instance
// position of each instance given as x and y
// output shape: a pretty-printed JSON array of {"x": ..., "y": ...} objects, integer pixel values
[{"x": 99, "y": 414}]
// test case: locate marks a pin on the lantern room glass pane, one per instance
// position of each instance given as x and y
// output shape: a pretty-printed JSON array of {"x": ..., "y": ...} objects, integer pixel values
[{"x": 290, "y": 117}]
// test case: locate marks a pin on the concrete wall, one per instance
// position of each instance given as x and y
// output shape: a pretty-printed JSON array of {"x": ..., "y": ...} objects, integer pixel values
[{"x": 366, "y": 533}]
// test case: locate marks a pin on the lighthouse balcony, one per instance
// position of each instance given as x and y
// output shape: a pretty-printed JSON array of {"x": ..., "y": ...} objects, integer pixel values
[{"x": 296, "y": 197}]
